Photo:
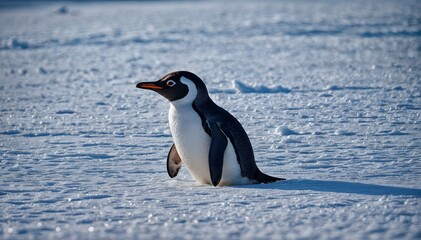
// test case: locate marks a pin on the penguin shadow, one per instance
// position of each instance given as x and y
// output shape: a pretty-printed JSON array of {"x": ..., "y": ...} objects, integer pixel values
[{"x": 338, "y": 187}]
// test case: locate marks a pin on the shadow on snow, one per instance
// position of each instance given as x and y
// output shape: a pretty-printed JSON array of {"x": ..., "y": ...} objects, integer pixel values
[{"x": 338, "y": 187}]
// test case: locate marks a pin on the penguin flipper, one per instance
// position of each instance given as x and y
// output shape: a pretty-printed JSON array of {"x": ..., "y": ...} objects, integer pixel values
[
  {"x": 173, "y": 162},
  {"x": 216, "y": 153},
  {"x": 239, "y": 139}
]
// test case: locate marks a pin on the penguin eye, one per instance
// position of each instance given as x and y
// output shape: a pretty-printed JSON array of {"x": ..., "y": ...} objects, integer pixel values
[{"x": 170, "y": 83}]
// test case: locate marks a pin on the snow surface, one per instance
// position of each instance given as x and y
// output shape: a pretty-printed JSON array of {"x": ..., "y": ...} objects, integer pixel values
[{"x": 328, "y": 91}]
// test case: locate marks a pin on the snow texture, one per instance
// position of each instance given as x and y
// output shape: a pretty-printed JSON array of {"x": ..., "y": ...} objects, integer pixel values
[{"x": 328, "y": 91}]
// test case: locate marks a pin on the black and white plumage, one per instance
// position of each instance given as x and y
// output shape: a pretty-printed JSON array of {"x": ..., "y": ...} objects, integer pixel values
[{"x": 207, "y": 139}]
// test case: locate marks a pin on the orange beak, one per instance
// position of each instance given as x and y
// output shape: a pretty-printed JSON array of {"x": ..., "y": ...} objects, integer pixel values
[{"x": 149, "y": 85}]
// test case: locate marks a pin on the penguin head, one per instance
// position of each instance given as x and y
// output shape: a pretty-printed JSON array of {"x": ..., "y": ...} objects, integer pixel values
[{"x": 177, "y": 85}]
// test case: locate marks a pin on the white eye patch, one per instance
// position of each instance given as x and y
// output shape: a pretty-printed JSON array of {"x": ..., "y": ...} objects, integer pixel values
[{"x": 170, "y": 83}]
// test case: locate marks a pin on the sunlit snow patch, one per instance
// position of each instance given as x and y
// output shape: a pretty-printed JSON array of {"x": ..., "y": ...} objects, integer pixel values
[
  {"x": 243, "y": 88},
  {"x": 285, "y": 131}
]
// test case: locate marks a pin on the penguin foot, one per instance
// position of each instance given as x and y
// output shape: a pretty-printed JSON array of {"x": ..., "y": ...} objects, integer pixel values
[{"x": 264, "y": 178}]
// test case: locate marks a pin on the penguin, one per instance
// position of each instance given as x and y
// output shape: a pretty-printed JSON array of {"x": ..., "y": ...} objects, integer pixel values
[{"x": 208, "y": 140}]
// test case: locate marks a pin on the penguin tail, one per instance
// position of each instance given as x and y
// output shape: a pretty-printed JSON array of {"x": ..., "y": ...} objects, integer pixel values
[{"x": 264, "y": 178}]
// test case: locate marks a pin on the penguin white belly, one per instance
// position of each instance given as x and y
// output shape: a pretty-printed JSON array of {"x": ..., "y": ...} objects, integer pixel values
[
  {"x": 193, "y": 145},
  {"x": 191, "y": 141}
]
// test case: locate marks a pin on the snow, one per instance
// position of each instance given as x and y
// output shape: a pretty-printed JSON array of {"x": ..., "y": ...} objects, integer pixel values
[
  {"x": 285, "y": 131},
  {"x": 328, "y": 91},
  {"x": 243, "y": 88}
]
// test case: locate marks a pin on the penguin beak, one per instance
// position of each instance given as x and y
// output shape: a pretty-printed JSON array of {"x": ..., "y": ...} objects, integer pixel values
[{"x": 149, "y": 85}]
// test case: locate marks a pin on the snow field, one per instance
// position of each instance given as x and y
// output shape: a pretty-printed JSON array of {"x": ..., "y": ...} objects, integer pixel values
[{"x": 329, "y": 93}]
